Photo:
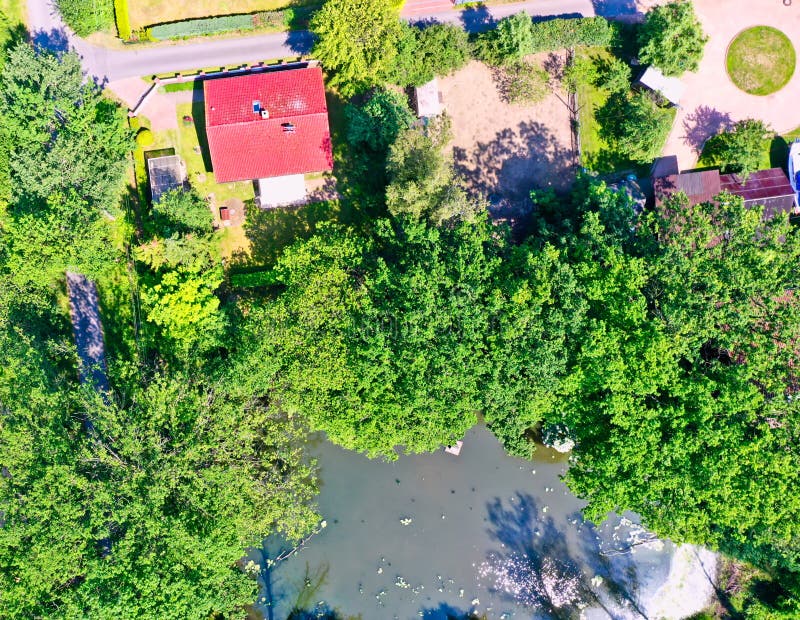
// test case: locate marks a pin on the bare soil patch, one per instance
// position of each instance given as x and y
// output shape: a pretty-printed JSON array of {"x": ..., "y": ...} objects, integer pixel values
[{"x": 503, "y": 150}]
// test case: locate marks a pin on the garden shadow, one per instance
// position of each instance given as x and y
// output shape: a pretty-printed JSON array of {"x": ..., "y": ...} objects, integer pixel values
[
  {"x": 54, "y": 40},
  {"x": 199, "y": 120},
  {"x": 270, "y": 231},
  {"x": 616, "y": 9},
  {"x": 477, "y": 19},
  {"x": 702, "y": 124},
  {"x": 518, "y": 160}
]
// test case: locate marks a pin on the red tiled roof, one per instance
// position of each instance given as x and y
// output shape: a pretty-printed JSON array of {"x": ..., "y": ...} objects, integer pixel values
[{"x": 295, "y": 139}]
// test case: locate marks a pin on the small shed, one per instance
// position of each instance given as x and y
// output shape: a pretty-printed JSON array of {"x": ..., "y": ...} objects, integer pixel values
[
  {"x": 282, "y": 191},
  {"x": 670, "y": 88},
  {"x": 428, "y": 99},
  {"x": 166, "y": 173}
]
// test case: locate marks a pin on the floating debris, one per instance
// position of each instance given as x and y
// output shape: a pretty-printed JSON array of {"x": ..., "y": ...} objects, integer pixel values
[
  {"x": 406, "y": 521},
  {"x": 380, "y": 570},
  {"x": 401, "y": 583}
]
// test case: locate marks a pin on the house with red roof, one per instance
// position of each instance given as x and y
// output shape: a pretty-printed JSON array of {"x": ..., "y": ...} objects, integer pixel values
[{"x": 271, "y": 128}]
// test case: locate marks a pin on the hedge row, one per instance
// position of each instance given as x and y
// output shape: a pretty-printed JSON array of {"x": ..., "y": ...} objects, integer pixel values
[
  {"x": 87, "y": 16},
  {"x": 122, "y": 19},
  {"x": 518, "y": 35},
  {"x": 216, "y": 25}
]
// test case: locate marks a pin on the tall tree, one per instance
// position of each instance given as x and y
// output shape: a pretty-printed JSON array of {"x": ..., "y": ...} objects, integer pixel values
[
  {"x": 739, "y": 149},
  {"x": 379, "y": 341},
  {"x": 64, "y": 135},
  {"x": 635, "y": 126},
  {"x": 356, "y": 41},
  {"x": 672, "y": 38},
  {"x": 681, "y": 391}
]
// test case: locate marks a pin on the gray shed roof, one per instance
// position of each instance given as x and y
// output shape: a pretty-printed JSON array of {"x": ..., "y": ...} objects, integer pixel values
[{"x": 671, "y": 88}]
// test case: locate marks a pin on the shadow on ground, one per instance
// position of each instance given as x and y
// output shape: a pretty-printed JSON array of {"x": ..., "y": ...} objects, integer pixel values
[{"x": 518, "y": 160}]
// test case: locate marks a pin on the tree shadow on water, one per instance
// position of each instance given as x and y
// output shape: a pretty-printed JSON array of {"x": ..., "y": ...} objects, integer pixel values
[
  {"x": 533, "y": 566},
  {"x": 443, "y": 611},
  {"x": 616, "y": 567}
]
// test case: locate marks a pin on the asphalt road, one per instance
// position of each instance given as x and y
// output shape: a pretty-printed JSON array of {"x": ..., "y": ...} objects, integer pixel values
[{"x": 106, "y": 64}]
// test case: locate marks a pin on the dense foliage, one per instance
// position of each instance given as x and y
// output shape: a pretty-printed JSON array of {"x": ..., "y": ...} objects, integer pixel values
[
  {"x": 425, "y": 52},
  {"x": 738, "y": 149},
  {"x": 87, "y": 17},
  {"x": 356, "y": 41},
  {"x": 139, "y": 502},
  {"x": 635, "y": 125},
  {"x": 672, "y": 38},
  {"x": 518, "y": 35}
]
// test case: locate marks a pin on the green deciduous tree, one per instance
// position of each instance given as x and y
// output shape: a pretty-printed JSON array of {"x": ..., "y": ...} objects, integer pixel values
[
  {"x": 379, "y": 341},
  {"x": 634, "y": 125},
  {"x": 377, "y": 123},
  {"x": 681, "y": 389},
  {"x": 423, "y": 53},
  {"x": 422, "y": 181},
  {"x": 64, "y": 136},
  {"x": 356, "y": 41},
  {"x": 672, "y": 38},
  {"x": 739, "y": 149}
]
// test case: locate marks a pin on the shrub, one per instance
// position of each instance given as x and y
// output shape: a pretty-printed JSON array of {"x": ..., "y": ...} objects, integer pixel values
[
  {"x": 200, "y": 27},
  {"x": 144, "y": 137},
  {"x": 270, "y": 19},
  {"x": 613, "y": 75},
  {"x": 87, "y": 17},
  {"x": 582, "y": 70},
  {"x": 517, "y": 36},
  {"x": 523, "y": 82},
  {"x": 122, "y": 19}
]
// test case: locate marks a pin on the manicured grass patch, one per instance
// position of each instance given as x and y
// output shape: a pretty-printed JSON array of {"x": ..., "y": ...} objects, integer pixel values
[
  {"x": 192, "y": 146},
  {"x": 148, "y": 12},
  {"x": 761, "y": 60}
]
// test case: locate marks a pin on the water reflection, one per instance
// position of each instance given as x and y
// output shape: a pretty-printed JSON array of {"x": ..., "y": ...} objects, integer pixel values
[{"x": 438, "y": 536}]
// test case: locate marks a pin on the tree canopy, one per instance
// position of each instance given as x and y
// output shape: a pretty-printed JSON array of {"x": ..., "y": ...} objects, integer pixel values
[
  {"x": 356, "y": 41},
  {"x": 672, "y": 38},
  {"x": 635, "y": 125},
  {"x": 739, "y": 149}
]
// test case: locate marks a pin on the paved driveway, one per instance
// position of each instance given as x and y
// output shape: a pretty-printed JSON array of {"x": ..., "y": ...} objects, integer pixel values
[{"x": 712, "y": 101}]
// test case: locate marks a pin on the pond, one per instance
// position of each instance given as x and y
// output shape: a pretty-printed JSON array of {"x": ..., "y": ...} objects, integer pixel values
[{"x": 483, "y": 532}]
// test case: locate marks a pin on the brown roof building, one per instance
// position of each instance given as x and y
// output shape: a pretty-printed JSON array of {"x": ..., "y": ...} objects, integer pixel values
[{"x": 768, "y": 188}]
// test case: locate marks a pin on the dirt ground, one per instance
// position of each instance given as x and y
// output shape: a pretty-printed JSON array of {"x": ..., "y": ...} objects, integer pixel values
[{"x": 503, "y": 151}]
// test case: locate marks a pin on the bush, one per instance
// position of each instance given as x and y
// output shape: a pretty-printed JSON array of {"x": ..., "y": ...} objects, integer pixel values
[
  {"x": 523, "y": 82},
  {"x": 424, "y": 53},
  {"x": 635, "y": 127},
  {"x": 517, "y": 36},
  {"x": 200, "y": 27},
  {"x": 87, "y": 17},
  {"x": 613, "y": 75},
  {"x": 122, "y": 19}
]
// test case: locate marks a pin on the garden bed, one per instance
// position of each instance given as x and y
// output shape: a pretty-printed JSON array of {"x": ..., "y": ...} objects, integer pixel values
[{"x": 143, "y": 13}]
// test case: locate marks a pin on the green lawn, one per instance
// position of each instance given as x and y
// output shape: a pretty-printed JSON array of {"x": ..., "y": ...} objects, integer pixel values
[
  {"x": 191, "y": 145},
  {"x": 761, "y": 60}
]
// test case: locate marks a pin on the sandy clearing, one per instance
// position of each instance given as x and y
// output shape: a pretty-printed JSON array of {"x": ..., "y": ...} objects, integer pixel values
[{"x": 503, "y": 151}]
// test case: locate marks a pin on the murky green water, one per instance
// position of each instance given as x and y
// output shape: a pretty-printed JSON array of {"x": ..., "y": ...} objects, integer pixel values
[{"x": 436, "y": 534}]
